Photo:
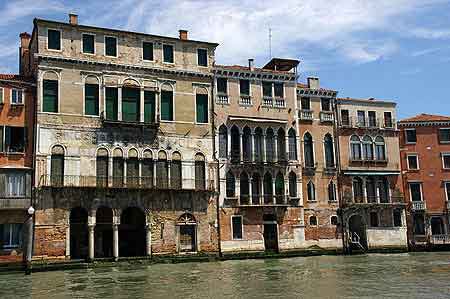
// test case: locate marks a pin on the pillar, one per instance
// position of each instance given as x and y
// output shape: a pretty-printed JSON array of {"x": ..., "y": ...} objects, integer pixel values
[
  {"x": 238, "y": 189},
  {"x": 68, "y": 240},
  {"x": 252, "y": 159},
  {"x": 91, "y": 228},
  {"x": 115, "y": 228},
  {"x": 273, "y": 190},
  {"x": 264, "y": 148},
  {"x": 141, "y": 104},
  {"x": 250, "y": 191},
  {"x": 148, "y": 239},
  {"x": 241, "y": 146},
  {"x": 275, "y": 139},
  {"x": 29, "y": 245},
  {"x": 229, "y": 144},
  {"x": 119, "y": 103}
]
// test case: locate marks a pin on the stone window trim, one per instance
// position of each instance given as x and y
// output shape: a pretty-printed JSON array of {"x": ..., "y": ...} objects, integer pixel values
[
  {"x": 242, "y": 227},
  {"x": 443, "y": 156},
  {"x": 420, "y": 183},
  {"x": 18, "y": 91},
  {"x": 447, "y": 190},
  {"x": 82, "y": 42},
  {"x": 173, "y": 53},
  {"x": 199, "y": 49},
  {"x": 312, "y": 219},
  {"x": 406, "y": 136},
  {"x": 417, "y": 161},
  {"x": 153, "y": 50},
  {"x": 117, "y": 46},
  {"x": 60, "y": 39}
]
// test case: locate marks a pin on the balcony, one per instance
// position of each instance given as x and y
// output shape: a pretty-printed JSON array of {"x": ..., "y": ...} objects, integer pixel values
[
  {"x": 245, "y": 100},
  {"x": 9, "y": 203},
  {"x": 326, "y": 116},
  {"x": 267, "y": 101},
  {"x": 128, "y": 119},
  {"x": 222, "y": 99},
  {"x": 418, "y": 206},
  {"x": 280, "y": 103},
  {"x": 440, "y": 239},
  {"x": 305, "y": 115},
  {"x": 76, "y": 181},
  {"x": 309, "y": 171},
  {"x": 260, "y": 201},
  {"x": 368, "y": 161},
  {"x": 375, "y": 200}
]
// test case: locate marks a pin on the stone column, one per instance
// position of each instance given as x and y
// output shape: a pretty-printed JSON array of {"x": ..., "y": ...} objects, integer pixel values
[
  {"x": 91, "y": 229},
  {"x": 264, "y": 148},
  {"x": 250, "y": 180},
  {"x": 68, "y": 240},
  {"x": 148, "y": 239},
  {"x": 228, "y": 144},
  {"x": 252, "y": 159},
  {"x": 273, "y": 190},
  {"x": 364, "y": 190},
  {"x": 119, "y": 103},
  {"x": 141, "y": 104},
  {"x": 275, "y": 141},
  {"x": 286, "y": 145},
  {"x": 238, "y": 189},
  {"x": 115, "y": 228},
  {"x": 241, "y": 145}
]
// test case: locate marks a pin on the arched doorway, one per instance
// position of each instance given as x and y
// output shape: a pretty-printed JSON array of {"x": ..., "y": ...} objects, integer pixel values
[
  {"x": 78, "y": 233},
  {"x": 132, "y": 236},
  {"x": 103, "y": 232},
  {"x": 187, "y": 233},
  {"x": 357, "y": 232}
]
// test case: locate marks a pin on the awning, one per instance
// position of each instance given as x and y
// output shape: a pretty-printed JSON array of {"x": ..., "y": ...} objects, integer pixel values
[{"x": 371, "y": 173}]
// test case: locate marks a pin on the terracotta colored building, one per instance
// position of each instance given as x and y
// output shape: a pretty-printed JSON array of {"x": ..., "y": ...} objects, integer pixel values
[{"x": 425, "y": 159}]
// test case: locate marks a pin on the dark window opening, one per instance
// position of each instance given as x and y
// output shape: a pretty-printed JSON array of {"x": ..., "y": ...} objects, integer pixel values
[
  {"x": 446, "y": 160},
  {"x": 329, "y": 151},
  {"x": 326, "y": 104},
  {"x": 202, "y": 57},
  {"x": 54, "y": 39},
  {"x": 222, "y": 86},
  {"x": 308, "y": 150},
  {"x": 311, "y": 191},
  {"x": 202, "y": 108},
  {"x": 313, "y": 221},
  {"x": 147, "y": 51},
  {"x": 374, "y": 219},
  {"x": 50, "y": 94},
  {"x": 416, "y": 194},
  {"x": 10, "y": 235},
  {"x": 230, "y": 184},
  {"x": 281, "y": 144},
  {"x": 223, "y": 142},
  {"x": 361, "y": 118},
  {"x": 388, "y": 120},
  {"x": 88, "y": 44},
  {"x": 111, "y": 103},
  {"x": 279, "y": 90},
  {"x": 14, "y": 139},
  {"x": 149, "y": 106},
  {"x": 444, "y": 135},
  {"x": 91, "y": 102},
  {"x": 412, "y": 162},
  {"x": 345, "y": 118},
  {"x": 418, "y": 224},
  {"x": 168, "y": 53},
  {"x": 292, "y": 184},
  {"x": 237, "y": 227},
  {"x": 411, "y": 136},
  {"x": 244, "y": 87},
  {"x": 267, "y": 89},
  {"x": 166, "y": 105},
  {"x": 305, "y": 103},
  {"x": 131, "y": 104},
  {"x": 397, "y": 218},
  {"x": 372, "y": 119},
  {"x": 334, "y": 220},
  {"x": 235, "y": 145},
  {"x": 331, "y": 192},
  {"x": 175, "y": 174},
  {"x": 247, "y": 144},
  {"x": 270, "y": 145},
  {"x": 110, "y": 46}
]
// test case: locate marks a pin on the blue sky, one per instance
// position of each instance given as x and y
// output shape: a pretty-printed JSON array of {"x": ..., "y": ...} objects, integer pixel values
[{"x": 387, "y": 49}]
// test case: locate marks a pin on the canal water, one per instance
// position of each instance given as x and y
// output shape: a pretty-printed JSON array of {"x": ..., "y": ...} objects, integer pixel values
[{"x": 417, "y": 275}]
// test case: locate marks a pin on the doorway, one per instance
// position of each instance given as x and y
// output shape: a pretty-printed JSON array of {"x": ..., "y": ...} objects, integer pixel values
[
  {"x": 270, "y": 232},
  {"x": 357, "y": 232}
]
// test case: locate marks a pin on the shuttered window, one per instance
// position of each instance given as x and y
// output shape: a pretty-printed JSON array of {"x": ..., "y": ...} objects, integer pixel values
[
  {"x": 91, "y": 99},
  {"x": 168, "y": 53},
  {"x": 162, "y": 174},
  {"x": 88, "y": 43},
  {"x": 149, "y": 106},
  {"x": 110, "y": 46},
  {"x": 147, "y": 51},
  {"x": 111, "y": 103},
  {"x": 175, "y": 174},
  {"x": 202, "y": 57},
  {"x": 130, "y": 104},
  {"x": 132, "y": 172},
  {"x": 200, "y": 175},
  {"x": 57, "y": 170},
  {"x": 102, "y": 171},
  {"x": 166, "y": 105},
  {"x": 202, "y": 108},
  {"x": 117, "y": 171},
  {"x": 50, "y": 94},
  {"x": 54, "y": 39},
  {"x": 147, "y": 172}
]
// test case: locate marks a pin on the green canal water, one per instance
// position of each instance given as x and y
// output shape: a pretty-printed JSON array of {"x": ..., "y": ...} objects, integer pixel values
[{"x": 419, "y": 275}]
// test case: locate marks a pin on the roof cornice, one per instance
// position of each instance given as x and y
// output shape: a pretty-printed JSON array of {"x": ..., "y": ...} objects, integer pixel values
[
  {"x": 424, "y": 123},
  {"x": 255, "y": 74}
]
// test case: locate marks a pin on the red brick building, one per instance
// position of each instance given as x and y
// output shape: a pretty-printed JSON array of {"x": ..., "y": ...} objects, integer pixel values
[{"x": 425, "y": 161}]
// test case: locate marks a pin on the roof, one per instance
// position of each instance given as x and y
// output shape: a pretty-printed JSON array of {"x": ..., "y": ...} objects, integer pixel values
[
  {"x": 370, "y": 100},
  {"x": 281, "y": 64},
  {"x": 16, "y": 78},
  {"x": 426, "y": 118},
  {"x": 303, "y": 85},
  {"x": 246, "y": 68}
]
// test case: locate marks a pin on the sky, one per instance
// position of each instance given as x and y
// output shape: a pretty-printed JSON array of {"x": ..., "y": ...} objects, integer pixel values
[{"x": 386, "y": 49}]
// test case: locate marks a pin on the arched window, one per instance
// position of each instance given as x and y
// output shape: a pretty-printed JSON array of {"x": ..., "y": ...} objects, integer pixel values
[
  {"x": 102, "y": 167},
  {"x": 329, "y": 151},
  {"x": 281, "y": 144},
  {"x": 57, "y": 166},
  {"x": 118, "y": 167},
  {"x": 292, "y": 184},
  {"x": 230, "y": 184},
  {"x": 162, "y": 171},
  {"x": 200, "y": 172},
  {"x": 175, "y": 171},
  {"x": 247, "y": 144},
  {"x": 358, "y": 192},
  {"x": 147, "y": 169},
  {"x": 279, "y": 188},
  {"x": 313, "y": 221},
  {"x": 331, "y": 192},
  {"x": 268, "y": 188},
  {"x": 132, "y": 168},
  {"x": 245, "y": 188},
  {"x": 383, "y": 187},
  {"x": 223, "y": 142},
  {"x": 259, "y": 149},
  {"x": 292, "y": 139},
  {"x": 355, "y": 147},
  {"x": 308, "y": 151},
  {"x": 256, "y": 189},
  {"x": 235, "y": 145},
  {"x": 380, "y": 151},
  {"x": 270, "y": 145},
  {"x": 371, "y": 190},
  {"x": 91, "y": 96},
  {"x": 368, "y": 148},
  {"x": 311, "y": 189}
]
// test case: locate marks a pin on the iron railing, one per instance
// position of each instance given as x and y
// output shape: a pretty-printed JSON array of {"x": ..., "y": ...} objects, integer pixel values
[
  {"x": 351, "y": 122},
  {"x": 14, "y": 202}
]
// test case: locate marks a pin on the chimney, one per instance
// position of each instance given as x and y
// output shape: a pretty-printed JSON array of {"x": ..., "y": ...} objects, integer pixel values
[
  {"x": 313, "y": 83},
  {"x": 24, "y": 58},
  {"x": 251, "y": 64},
  {"x": 183, "y": 34},
  {"x": 73, "y": 19}
]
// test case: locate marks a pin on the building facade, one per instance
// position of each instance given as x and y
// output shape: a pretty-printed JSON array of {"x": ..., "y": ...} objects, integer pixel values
[
  {"x": 124, "y": 148},
  {"x": 425, "y": 159},
  {"x": 370, "y": 185}
]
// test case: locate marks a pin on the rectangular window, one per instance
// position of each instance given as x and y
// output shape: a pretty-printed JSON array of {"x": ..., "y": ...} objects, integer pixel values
[
  {"x": 53, "y": 39},
  {"x": 202, "y": 57},
  {"x": 267, "y": 89},
  {"x": 88, "y": 43},
  {"x": 168, "y": 53},
  {"x": 131, "y": 104},
  {"x": 305, "y": 103},
  {"x": 413, "y": 162},
  {"x": 416, "y": 192},
  {"x": 237, "y": 227},
  {"x": 1, "y": 95},
  {"x": 446, "y": 161},
  {"x": 361, "y": 118},
  {"x": 222, "y": 86},
  {"x": 279, "y": 90},
  {"x": 410, "y": 135},
  {"x": 444, "y": 135},
  {"x": 50, "y": 94},
  {"x": 110, "y": 46},
  {"x": 118, "y": 171},
  {"x": 2, "y": 146},
  {"x": 345, "y": 118},
  {"x": 166, "y": 105},
  {"x": 111, "y": 94},
  {"x": 202, "y": 108},
  {"x": 397, "y": 218},
  {"x": 447, "y": 191},
  {"x": 91, "y": 99},
  {"x": 244, "y": 87},
  {"x": 15, "y": 139},
  {"x": 10, "y": 235},
  {"x": 372, "y": 119},
  {"x": 388, "y": 120},
  {"x": 149, "y": 106},
  {"x": 15, "y": 185},
  {"x": 147, "y": 51},
  {"x": 16, "y": 97},
  {"x": 325, "y": 104}
]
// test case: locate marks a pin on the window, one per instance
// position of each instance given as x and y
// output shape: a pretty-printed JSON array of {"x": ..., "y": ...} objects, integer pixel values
[
  {"x": 416, "y": 191},
  {"x": 175, "y": 171},
  {"x": 236, "y": 222},
  {"x": 256, "y": 189},
  {"x": 88, "y": 43},
  {"x": 247, "y": 144},
  {"x": 118, "y": 168},
  {"x": 230, "y": 184},
  {"x": 361, "y": 118},
  {"x": 223, "y": 142},
  {"x": 235, "y": 145},
  {"x": 131, "y": 104},
  {"x": 311, "y": 189},
  {"x": 54, "y": 39},
  {"x": 308, "y": 150},
  {"x": 16, "y": 97},
  {"x": 305, "y": 103},
  {"x": 334, "y": 220},
  {"x": 329, "y": 151},
  {"x": 244, "y": 87},
  {"x": 10, "y": 235},
  {"x": 147, "y": 51},
  {"x": 244, "y": 188},
  {"x": 132, "y": 168},
  {"x": 14, "y": 139},
  {"x": 397, "y": 215},
  {"x": 326, "y": 106},
  {"x": 267, "y": 89},
  {"x": 162, "y": 171},
  {"x": 111, "y": 95},
  {"x": 358, "y": 192},
  {"x": 110, "y": 46},
  {"x": 279, "y": 188},
  {"x": 2, "y": 142},
  {"x": 168, "y": 53},
  {"x": 374, "y": 219},
  {"x": 410, "y": 136},
  {"x": 281, "y": 145},
  {"x": 91, "y": 99},
  {"x": 413, "y": 162},
  {"x": 446, "y": 160},
  {"x": 331, "y": 192},
  {"x": 270, "y": 145},
  {"x": 313, "y": 221},
  {"x": 437, "y": 226},
  {"x": 292, "y": 184},
  {"x": 279, "y": 90},
  {"x": 371, "y": 190},
  {"x": 147, "y": 169},
  {"x": 15, "y": 184},
  {"x": 292, "y": 141},
  {"x": 166, "y": 105},
  {"x": 447, "y": 191},
  {"x": 102, "y": 163},
  {"x": 259, "y": 148},
  {"x": 268, "y": 188},
  {"x": 222, "y": 86},
  {"x": 380, "y": 150},
  {"x": 200, "y": 173},
  {"x": 367, "y": 148},
  {"x": 50, "y": 94},
  {"x": 355, "y": 147},
  {"x": 388, "y": 123},
  {"x": 444, "y": 135},
  {"x": 149, "y": 106},
  {"x": 372, "y": 119},
  {"x": 419, "y": 224},
  {"x": 57, "y": 166},
  {"x": 202, "y": 57},
  {"x": 345, "y": 118},
  {"x": 202, "y": 108},
  {"x": 2, "y": 90}
]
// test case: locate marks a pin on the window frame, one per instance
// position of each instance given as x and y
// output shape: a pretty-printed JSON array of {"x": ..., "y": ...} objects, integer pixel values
[
  {"x": 330, "y": 109},
  {"x": 173, "y": 105},
  {"x": 22, "y": 96},
  {"x": 410, "y": 191},
  {"x": 301, "y": 103},
  {"x": 392, "y": 120},
  {"x": 207, "y": 109},
  {"x": 242, "y": 227},
  {"x": 249, "y": 88},
  {"x": 445, "y": 154},
  {"x": 18, "y": 176},
  {"x": 58, "y": 96},
  {"x": 417, "y": 161},
  {"x": 2, "y": 93},
  {"x": 406, "y": 136},
  {"x": 262, "y": 89},
  {"x": 104, "y": 46},
  {"x": 282, "y": 90},
  {"x": 377, "y": 219},
  {"x": 60, "y": 40},
  {"x": 317, "y": 221},
  {"x": 447, "y": 190},
  {"x": 173, "y": 53},
  {"x": 153, "y": 50},
  {"x": 358, "y": 122},
  {"x": 9, "y": 245},
  {"x": 82, "y": 43},
  {"x": 439, "y": 136},
  {"x": 337, "y": 220},
  {"x": 206, "y": 56},
  {"x": 393, "y": 217}
]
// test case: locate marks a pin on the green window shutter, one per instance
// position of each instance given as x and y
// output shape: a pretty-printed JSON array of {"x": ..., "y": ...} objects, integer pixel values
[
  {"x": 50, "y": 94},
  {"x": 202, "y": 108},
  {"x": 168, "y": 53},
  {"x": 111, "y": 103},
  {"x": 54, "y": 39},
  {"x": 110, "y": 46},
  {"x": 130, "y": 104},
  {"x": 57, "y": 170},
  {"x": 166, "y": 105},
  {"x": 202, "y": 57},
  {"x": 88, "y": 44},
  {"x": 7, "y": 138},
  {"x": 147, "y": 51},
  {"x": 91, "y": 99},
  {"x": 149, "y": 106},
  {"x": 1, "y": 95}
]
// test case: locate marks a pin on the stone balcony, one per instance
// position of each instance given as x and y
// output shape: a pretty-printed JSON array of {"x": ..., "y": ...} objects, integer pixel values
[
  {"x": 418, "y": 206},
  {"x": 305, "y": 115},
  {"x": 261, "y": 201},
  {"x": 326, "y": 117},
  {"x": 222, "y": 99},
  {"x": 440, "y": 239},
  {"x": 11, "y": 203}
]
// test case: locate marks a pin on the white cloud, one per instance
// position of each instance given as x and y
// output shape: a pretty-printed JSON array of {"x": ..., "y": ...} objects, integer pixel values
[
  {"x": 14, "y": 10},
  {"x": 427, "y": 33}
]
